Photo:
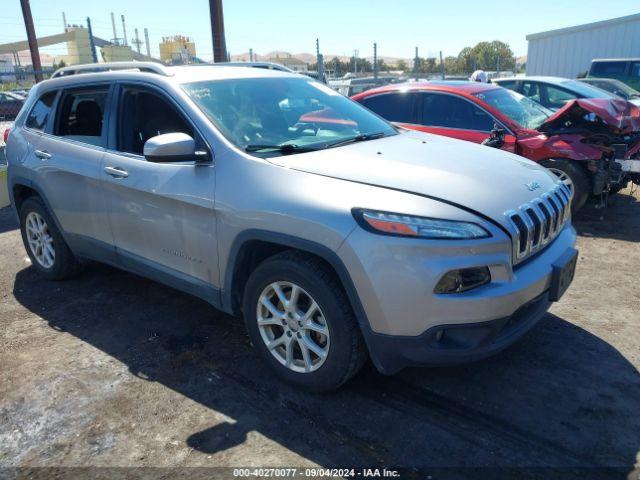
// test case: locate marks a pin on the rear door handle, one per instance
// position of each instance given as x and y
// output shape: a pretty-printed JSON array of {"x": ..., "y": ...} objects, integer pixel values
[
  {"x": 42, "y": 154},
  {"x": 116, "y": 172}
]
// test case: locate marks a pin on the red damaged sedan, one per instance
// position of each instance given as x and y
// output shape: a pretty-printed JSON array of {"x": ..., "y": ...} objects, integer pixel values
[{"x": 593, "y": 145}]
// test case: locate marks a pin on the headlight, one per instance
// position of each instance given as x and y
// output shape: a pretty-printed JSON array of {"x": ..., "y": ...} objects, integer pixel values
[{"x": 409, "y": 226}]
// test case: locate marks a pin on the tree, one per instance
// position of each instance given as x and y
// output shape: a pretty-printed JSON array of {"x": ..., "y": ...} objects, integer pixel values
[
  {"x": 466, "y": 60},
  {"x": 490, "y": 56},
  {"x": 451, "y": 65},
  {"x": 429, "y": 65},
  {"x": 401, "y": 65}
]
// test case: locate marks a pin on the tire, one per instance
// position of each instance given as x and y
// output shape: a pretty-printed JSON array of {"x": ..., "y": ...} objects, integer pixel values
[
  {"x": 62, "y": 264},
  {"x": 580, "y": 183},
  {"x": 343, "y": 344}
]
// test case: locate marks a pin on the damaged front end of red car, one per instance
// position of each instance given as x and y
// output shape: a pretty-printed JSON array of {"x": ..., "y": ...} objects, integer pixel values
[{"x": 610, "y": 126}]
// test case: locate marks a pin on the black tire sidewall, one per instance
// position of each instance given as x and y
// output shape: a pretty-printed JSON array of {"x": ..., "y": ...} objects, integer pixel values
[
  {"x": 35, "y": 204},
  {"x": 335, "y": 369}
]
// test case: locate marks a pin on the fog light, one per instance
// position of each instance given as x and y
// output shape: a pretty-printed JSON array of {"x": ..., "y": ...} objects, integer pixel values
[{"x": 461, "y": 280}]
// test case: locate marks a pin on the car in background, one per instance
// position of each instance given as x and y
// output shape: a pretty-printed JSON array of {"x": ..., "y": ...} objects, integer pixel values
[
  {"x": 353, "y": 86},
  {"x": 552, "y": 92},
  {"x": 580, "y": 143},
  {"x": 616, "y": 87},
  {"x": 627, "y": 70},
  {"x": 10, "y": 105}
]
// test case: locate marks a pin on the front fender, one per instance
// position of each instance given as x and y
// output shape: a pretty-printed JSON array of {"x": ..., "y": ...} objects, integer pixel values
[{"x": 570, "y": 146}]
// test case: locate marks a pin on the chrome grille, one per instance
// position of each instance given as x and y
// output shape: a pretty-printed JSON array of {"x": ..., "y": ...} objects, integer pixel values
[{"x": 537, "y": 223}]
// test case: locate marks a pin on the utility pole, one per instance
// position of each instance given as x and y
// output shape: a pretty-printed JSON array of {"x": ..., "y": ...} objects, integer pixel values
[
  {"x": 137, "y": 41},
  {"x": 146, "y": 41},
  {"x": 92, "y": 44},
  {"x": 319, "y": 62},
  {"x": 355, "y": 61},
  {"x": 64, "y": 21},
  {"x": 217, "y": 31},
  {"x": 32, "y": 39},
  {"x": 375, "y": 62},
  {"x": 441, "y": 65},
  {"x": 124, "y": 31},
  {"x": 416, "y": 64},
  {"x": 251, "y": 54},
  {"x": 113, "y": 25}
]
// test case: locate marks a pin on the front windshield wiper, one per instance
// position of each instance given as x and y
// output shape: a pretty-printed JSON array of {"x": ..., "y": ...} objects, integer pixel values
[
  {"x": 286, "y": 148},
  {"x": 357, "y": 138}
]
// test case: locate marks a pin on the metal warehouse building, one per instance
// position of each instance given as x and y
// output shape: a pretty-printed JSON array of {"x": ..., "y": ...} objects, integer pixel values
[{"x": 568, "y": 52}]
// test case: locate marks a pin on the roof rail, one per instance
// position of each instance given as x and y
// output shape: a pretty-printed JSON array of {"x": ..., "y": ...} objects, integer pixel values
[{"x": 149, "y": 67}]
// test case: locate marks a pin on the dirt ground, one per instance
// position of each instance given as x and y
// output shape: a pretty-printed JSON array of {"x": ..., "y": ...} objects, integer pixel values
[{"x": 109, "y": 369}]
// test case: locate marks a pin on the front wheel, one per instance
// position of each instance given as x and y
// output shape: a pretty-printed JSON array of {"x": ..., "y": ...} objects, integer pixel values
[
  {"x": 301, "y": 323},
  {"x": 574, "y": 177}
]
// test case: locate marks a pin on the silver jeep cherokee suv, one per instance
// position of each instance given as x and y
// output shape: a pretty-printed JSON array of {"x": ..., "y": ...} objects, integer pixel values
[{"x": 334, "y": 234}]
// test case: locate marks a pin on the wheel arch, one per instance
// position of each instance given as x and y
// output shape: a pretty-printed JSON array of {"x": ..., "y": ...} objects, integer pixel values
[
  {"x": 20, "y": 189},
  {"x": 253, "y": 246}
]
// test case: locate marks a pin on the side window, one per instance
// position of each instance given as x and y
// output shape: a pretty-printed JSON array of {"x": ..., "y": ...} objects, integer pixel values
[
  {"x": 531, "y": 90},
  {"x": 41, "y": 111},
  {"x": 635, "y": 69},
  {"x": 144, "y": 115},
  {"x": 510, "y": 84},
  {"x": 395, "y": 107},
  {"x": 557, "y": 97},
  {"x": 449, "y": 111},
  {"x": 608, "y": 68},
  {"x": 81, "y": 116}
]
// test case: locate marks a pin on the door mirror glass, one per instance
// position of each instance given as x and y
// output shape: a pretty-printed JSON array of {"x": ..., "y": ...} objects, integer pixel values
[{"x": 173, "y": 147}]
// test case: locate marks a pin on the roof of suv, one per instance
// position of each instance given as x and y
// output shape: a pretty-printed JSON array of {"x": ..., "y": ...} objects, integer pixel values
[{"x": 178, "y": 74}]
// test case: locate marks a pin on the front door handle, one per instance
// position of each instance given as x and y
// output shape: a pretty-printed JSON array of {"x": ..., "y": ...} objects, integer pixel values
[
  {"x": 42, "y": 154},
  {"x": 116, "y": 172}
]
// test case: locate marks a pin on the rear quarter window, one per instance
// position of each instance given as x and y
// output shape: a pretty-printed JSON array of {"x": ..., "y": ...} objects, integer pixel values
[
  {"x": 510, "y": 84},
  {"x": 41, "y": 111}
]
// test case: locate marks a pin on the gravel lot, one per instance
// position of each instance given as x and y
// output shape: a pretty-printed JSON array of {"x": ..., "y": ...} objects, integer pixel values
[{"x": 109, "y": 369}]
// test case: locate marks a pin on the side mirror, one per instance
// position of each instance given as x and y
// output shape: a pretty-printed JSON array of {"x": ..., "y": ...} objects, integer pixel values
[{"x": 174, "y": 147}]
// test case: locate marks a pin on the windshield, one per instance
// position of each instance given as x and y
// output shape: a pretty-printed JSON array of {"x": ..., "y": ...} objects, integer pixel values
[
  {"x": 586, "y": 90},
  {"x": 277, "y": 116},
  {"x": 517, "y": 107}
]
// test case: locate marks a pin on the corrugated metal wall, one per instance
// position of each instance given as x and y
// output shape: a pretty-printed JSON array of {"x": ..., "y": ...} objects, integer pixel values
[{"x": 568, "y": 52}]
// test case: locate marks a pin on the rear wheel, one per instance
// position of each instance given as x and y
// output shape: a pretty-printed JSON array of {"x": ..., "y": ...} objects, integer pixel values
[
  {"x": 45, "y": 246},
  {"x": 300, "y": 321},
  {"x": 574, "y": 177}
]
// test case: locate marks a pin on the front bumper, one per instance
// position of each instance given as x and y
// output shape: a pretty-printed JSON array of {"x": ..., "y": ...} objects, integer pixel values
[
  {"x": 455, "y": 343},
  {"x": 407, "y": 324}
]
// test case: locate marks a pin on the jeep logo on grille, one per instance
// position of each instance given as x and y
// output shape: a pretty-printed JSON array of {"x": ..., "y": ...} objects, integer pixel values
[{"x": 531, "y": 186}]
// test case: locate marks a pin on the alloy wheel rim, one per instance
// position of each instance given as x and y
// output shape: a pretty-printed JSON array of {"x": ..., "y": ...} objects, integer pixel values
[
  {"x": 293, "y": 327},
  {"x": 563, "y": 177},
  {"x": 40, "y": 240}
]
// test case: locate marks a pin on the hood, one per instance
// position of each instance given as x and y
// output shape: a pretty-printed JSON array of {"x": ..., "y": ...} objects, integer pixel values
[
  {"x": 616, "y": 116},
  {"x": 483, "y": 179}
]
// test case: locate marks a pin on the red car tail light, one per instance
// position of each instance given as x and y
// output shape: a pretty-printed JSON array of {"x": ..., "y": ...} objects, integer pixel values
[{"x": 6, "y": 135}]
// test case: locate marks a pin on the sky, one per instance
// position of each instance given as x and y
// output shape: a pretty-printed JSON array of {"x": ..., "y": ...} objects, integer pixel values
[{"x": 341, "y": 25}]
